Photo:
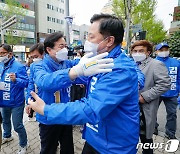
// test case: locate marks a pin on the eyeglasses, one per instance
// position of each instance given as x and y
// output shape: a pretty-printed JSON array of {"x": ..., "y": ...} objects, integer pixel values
[
  {"x": 3, "y": 53},
  {"x": 139, "y": 51},
  {"x": 61, "y": 46}
]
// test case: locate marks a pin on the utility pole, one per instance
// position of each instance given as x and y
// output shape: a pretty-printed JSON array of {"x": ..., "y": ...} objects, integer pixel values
[
  {"x": 66, "y": 23},
  {"x": 2, "y": 35},
  {"x": 127, "y": 5}
]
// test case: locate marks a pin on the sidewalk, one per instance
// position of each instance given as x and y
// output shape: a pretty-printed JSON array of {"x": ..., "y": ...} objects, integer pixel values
[{"x": 34, "y": 142}]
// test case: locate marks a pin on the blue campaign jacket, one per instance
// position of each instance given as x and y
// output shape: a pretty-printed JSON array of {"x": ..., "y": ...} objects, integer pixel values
[
  {"x": 31, "y": 84},
  {"x": 13, "y": 95},
  {"x": 173, "y": 67},
  {"x": 141, "y": 77},
  {"x": 110, "y": 111},
  {"x": 52, "y": 80}
]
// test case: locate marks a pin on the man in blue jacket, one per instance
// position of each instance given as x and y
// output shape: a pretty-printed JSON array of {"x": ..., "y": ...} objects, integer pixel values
[
  {"x": 13, "y": 79},
  {"x": 37, "y": 54},
  {"x": 170, "y": 97},
  {"x": 110, "y": 111},
  {"x": 53, "y": 83}
]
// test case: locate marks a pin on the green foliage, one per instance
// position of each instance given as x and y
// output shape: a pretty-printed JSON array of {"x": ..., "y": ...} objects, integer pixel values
[
  {"x": 174, "y": 44},
  {"x": 13, "y": 8},
  {"x": 142, "y": 12}
]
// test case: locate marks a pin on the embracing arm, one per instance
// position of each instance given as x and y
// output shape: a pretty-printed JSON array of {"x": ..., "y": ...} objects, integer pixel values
[{"x": 99, "y": 104}]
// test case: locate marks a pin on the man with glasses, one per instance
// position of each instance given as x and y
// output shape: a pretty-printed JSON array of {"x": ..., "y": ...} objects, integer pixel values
[
  {"x": 51, "y": 75},
  {"x": 110, "y": 110},
  {"x": 14, "y": 79},
  {"x": 157, "y": 82},
  {"x": 36, "y": 52}
]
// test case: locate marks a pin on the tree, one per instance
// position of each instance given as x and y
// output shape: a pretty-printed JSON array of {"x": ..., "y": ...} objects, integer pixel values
[
  {"x": 142, "y": 12},
  {"x": 174, "y": 44},
  {"x": 10, "y": 9}
]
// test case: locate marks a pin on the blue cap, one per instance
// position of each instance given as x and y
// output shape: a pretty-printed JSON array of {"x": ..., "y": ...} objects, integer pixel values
[{"x": 160, "y": 45}]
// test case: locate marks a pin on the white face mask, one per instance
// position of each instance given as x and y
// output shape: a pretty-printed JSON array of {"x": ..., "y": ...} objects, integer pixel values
[
  {"x": 62, "y": 54},
  {"x": 37, "y": 59},
  {"x": 138, "y": 57},
  {"x": 91, "y": 47},
  {"x": 163, "y": 54},
  {"x": 76, "y": 57},
  {"x": 4, "y": 59}
]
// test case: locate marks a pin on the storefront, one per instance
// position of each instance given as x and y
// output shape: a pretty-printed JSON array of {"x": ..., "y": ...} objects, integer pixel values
[{"x": 19, "y": 52}]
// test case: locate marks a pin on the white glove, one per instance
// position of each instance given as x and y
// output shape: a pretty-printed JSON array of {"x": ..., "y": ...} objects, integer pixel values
[{"x": 90, "y": 66}]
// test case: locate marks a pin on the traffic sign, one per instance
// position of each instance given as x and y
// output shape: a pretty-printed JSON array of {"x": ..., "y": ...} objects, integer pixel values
[
  {"x": 136, "y": 28},
  {"x": 9, "y": 22}
]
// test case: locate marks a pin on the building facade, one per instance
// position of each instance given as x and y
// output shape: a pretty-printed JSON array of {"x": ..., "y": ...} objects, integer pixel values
[
  {"x": 175, "y": 24},
  {"x": 23, "y": 30},
  {"x": 50, "y": 17}
]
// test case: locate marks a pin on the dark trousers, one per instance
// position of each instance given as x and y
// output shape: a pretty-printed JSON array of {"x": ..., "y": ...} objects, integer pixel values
[
  {"x": 50, "y": 135},
  {"x": 145, "y": 140},
  {"x": 88, "y": 149},
  {"x": 143, "y": 132},
  {"x": 171, "y": 109}
]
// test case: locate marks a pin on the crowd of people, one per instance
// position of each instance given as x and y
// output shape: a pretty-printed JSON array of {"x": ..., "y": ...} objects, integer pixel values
[{"x": 114, "y": 96}]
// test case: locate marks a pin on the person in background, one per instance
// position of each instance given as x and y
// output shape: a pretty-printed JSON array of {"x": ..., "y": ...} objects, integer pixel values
[
  {"x": 28, "y": 63},
  {"x": 110, "y": 111},
  {"x": 78, "y": 90},
  {"x": 15, "y": 79},
  {"x": 36, "y": 54},
  {"x": 157, "y": 82},
  {"x": 170, "y": 97}
]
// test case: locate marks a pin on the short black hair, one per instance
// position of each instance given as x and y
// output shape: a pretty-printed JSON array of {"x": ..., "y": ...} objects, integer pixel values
[
  {"x": 39, "y": 47},
  {"x": 110, "y": 26},
  {"x": 6, "y": 47},
  {"x": 51, "y": 39}
]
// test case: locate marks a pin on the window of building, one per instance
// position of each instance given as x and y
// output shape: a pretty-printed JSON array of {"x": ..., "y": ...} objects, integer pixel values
[
  {"x": 27, "y": 26},
  {"x": 53, "y": 20},
  {"x": 32, "y": 27},
  {"x": 23, "y": 25},
  {"x": 29, "y": 40},
  {"x": 48, "y": 6},
  {"x": 50, "y": 30},
  {"x": 62, "y": 22},
  {"x": 76, "y": 32},
  {"x": 48, "y": 18},
  {"x": 62, "y": 11},
  {"x": 19, "y": 26}
]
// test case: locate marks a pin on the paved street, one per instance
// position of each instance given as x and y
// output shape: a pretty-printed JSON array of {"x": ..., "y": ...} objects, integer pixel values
[
  {"x": 34, "y": 143},
  {"x": 162, "y": 120}
]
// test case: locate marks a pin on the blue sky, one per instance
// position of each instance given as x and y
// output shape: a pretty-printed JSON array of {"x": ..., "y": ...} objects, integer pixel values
[{"x": 82, "y": 10}]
